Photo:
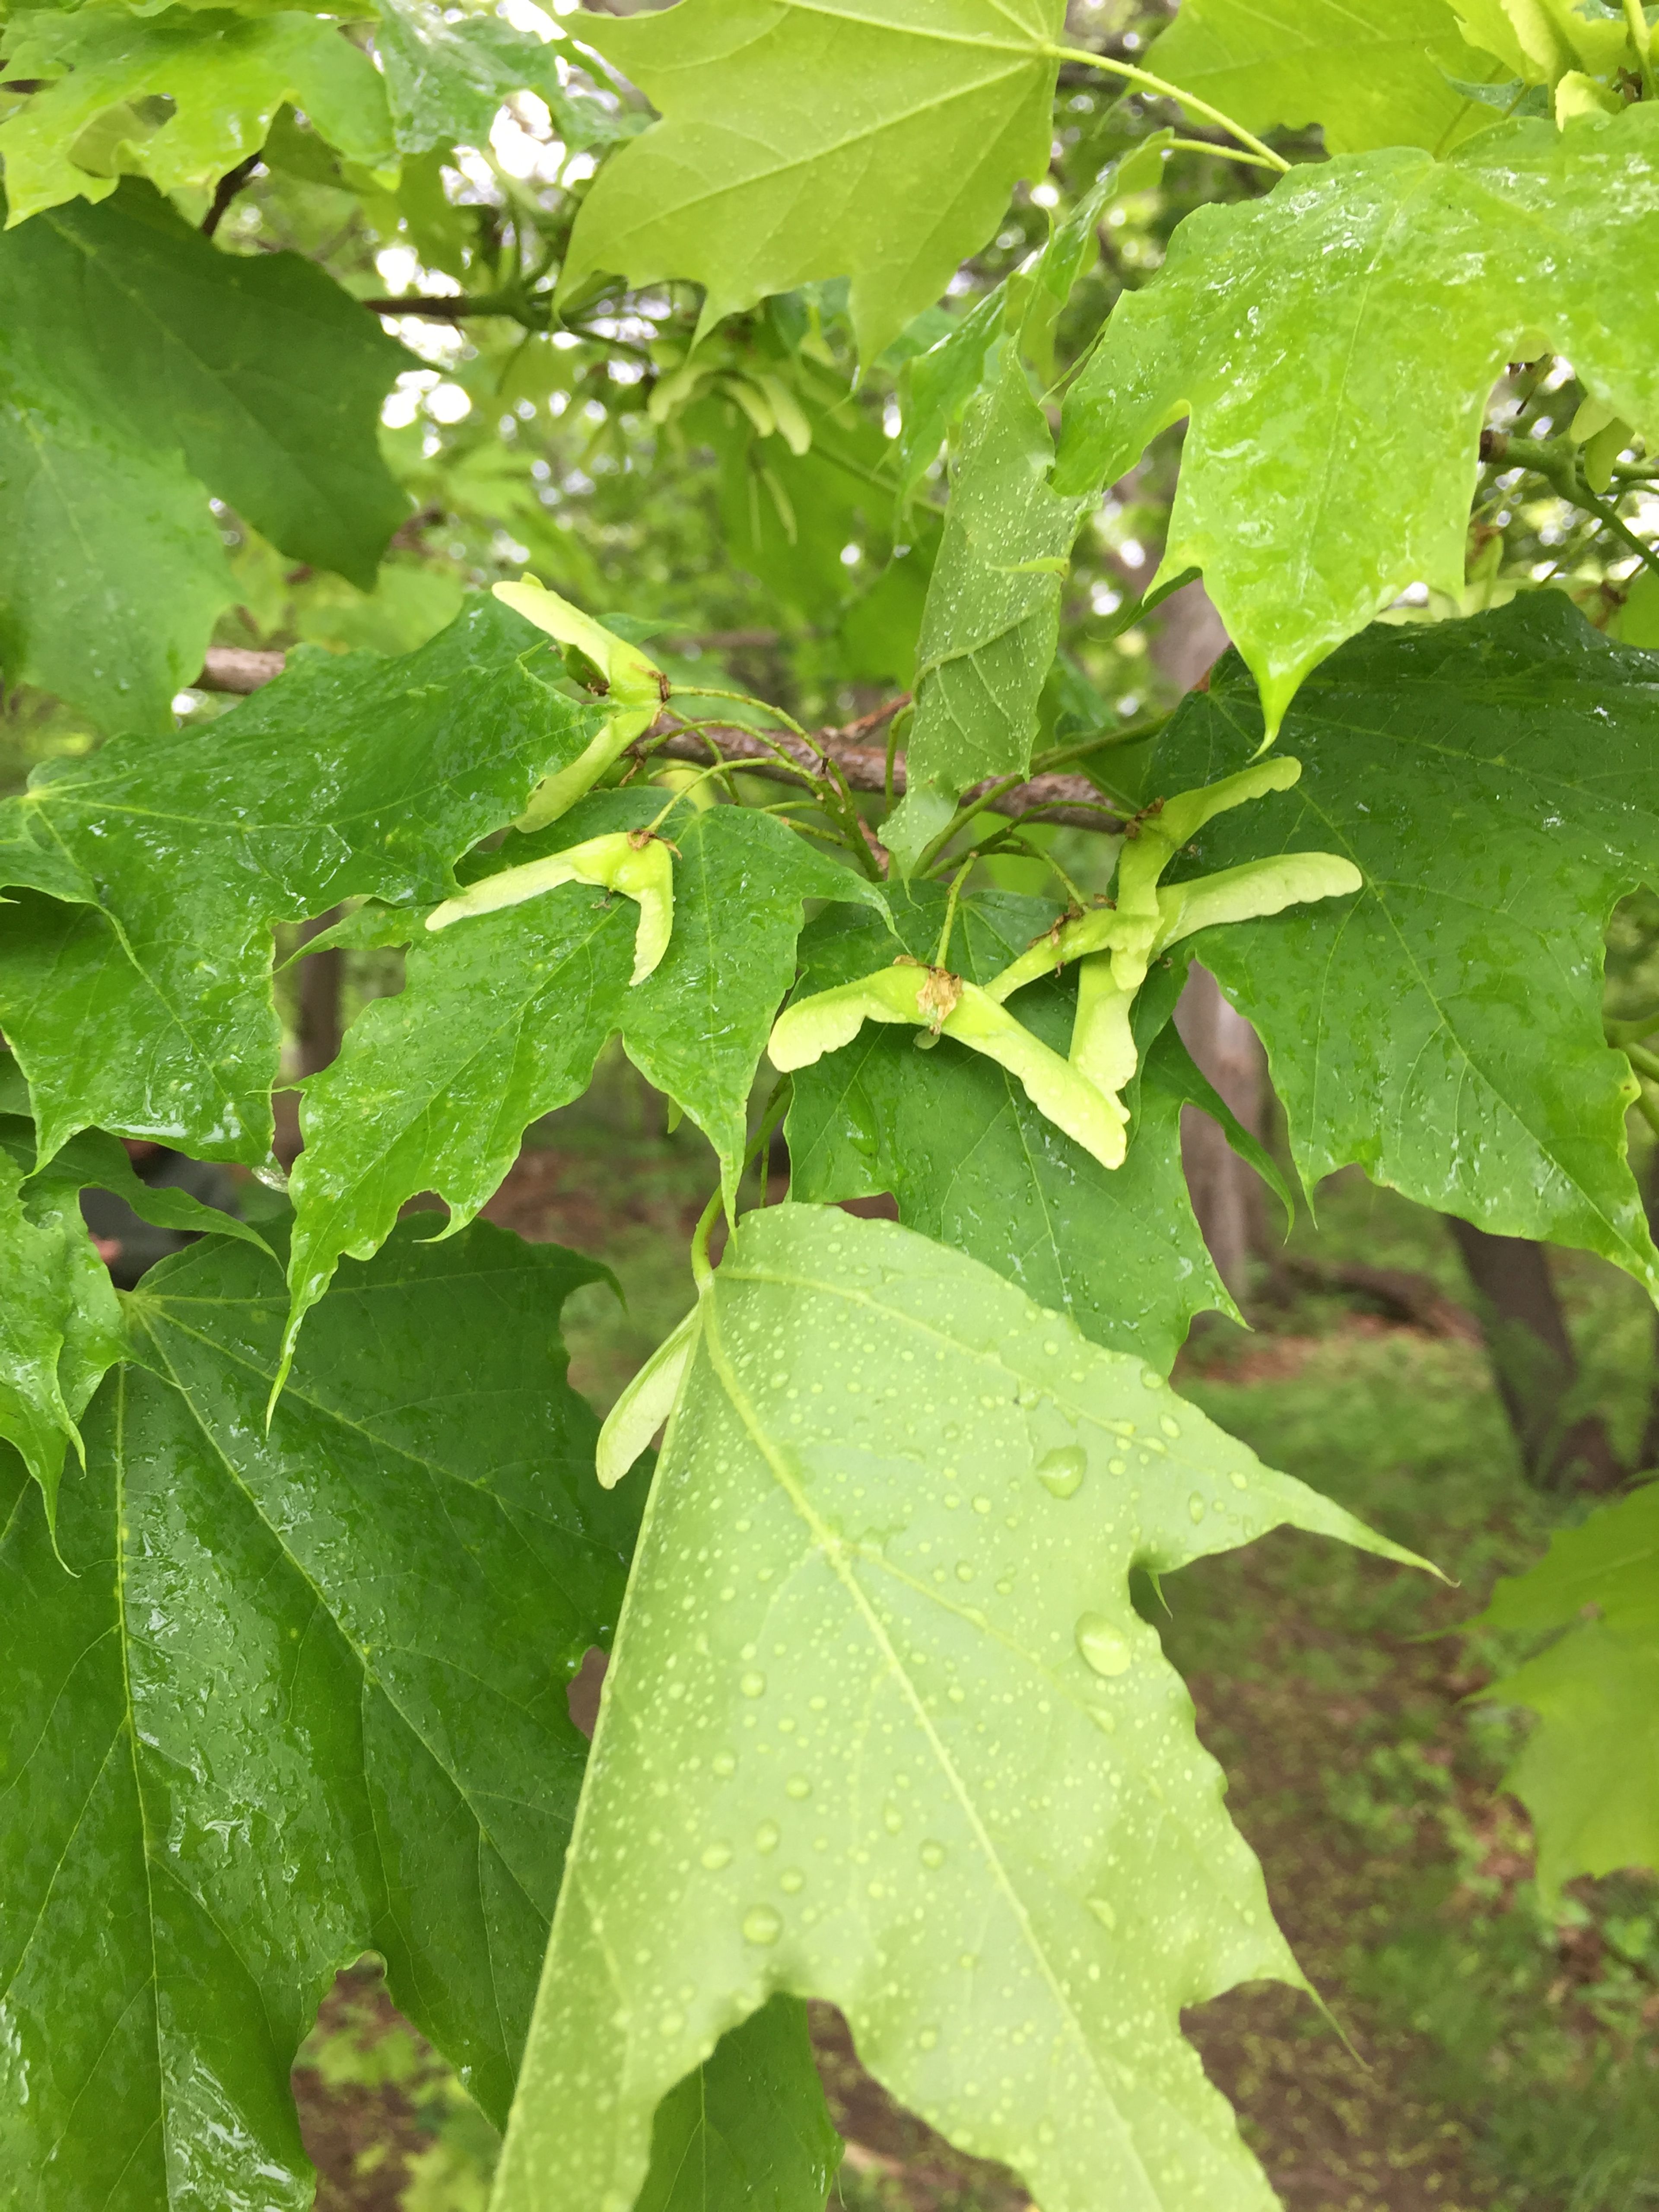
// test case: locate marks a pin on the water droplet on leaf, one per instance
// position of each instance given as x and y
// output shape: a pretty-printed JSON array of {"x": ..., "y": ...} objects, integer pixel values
[
  {"x": 1104, "y": 1647},
  {"x": 1061, "y": 1471},
  {"x": 762, "y": 1924}
]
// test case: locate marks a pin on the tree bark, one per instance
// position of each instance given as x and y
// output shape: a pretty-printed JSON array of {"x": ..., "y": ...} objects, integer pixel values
[
  {"x": 317, "y": 1029},
  {"x": 1533, "y": 1363},
  {"x": 321, "y": 975},
  {"x": 1226, "y": 1194}
]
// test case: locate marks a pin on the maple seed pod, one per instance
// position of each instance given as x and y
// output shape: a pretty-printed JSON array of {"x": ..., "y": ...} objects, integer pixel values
[
  {"x": 634, "y": 862},
  {"x": 631, "y": 684},
  {"x": 933, "y": 999},
  {"x": 1160, "y": 837}
]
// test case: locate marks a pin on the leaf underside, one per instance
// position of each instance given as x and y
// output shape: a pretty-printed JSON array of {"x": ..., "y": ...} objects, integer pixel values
[
  {"x": 851, "y": 1745},
  {"x": 874, "y": 139}
]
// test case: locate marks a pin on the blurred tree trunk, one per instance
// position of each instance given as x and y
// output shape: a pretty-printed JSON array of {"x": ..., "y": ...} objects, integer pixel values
[
  {"x": 1226, "y": 1194},
  {"x": 1190, "y": 637},
  {"x": 321, "y": 975},
  {"x": 1533, "y": 1363},
  {"x": 1187, "y": 642}
]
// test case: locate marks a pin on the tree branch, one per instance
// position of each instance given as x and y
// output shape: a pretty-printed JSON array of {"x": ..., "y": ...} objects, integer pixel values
[
  {"x": 226, "y": 189},
  {"x": 1072, "y": 800}
]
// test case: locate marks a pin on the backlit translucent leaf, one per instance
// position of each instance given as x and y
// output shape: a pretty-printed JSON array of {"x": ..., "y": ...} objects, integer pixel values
[
  {"x": 1335, "y": 345},
  {"x": 1541, "y": 41},
  {"x": 874, "y": 139},
  {"x": 884, "y": 1726},
  {"x": 146, "y": 1009},
  {"x": 1590, "y": 1773},
  {"x": 446, "y": 80},
  {"x": 141, "y": 369},
  {"x": 502, "y": 1017},
  {"x": 226, "y": 74},
  {"x": 749, "y": 2130},
  {"x": 1371, "y": 72},
  {"x": 788, "y": 517},
  {"x": 992, "y": 615},
  {"x": 936, "y": 387},
  {"x": 970, "y": 1160},
  {"x": 303, "y": 1696},
  {"x": 1495, "y": 782}
]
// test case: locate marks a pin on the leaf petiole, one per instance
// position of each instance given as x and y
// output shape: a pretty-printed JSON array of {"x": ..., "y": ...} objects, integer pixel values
[
  {"x": 1148, "y": 82},
  {"x": 942, "y": 955}
]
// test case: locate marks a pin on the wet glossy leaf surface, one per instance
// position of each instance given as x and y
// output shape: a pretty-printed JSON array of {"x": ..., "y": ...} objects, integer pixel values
[
  {"x": 874, "y": 139},
  {"x": 302, "y": 1696},
  {"x": 1335, "y": 345},
  {"x": 147, "y": 1009},
  {"x": 1494, "y": 780},
  {"x": 445, "y": 81},
  {"x": 60, "y": 1325},
  {"x": 972, "y": 1162},
  {"x": 141, "y": 369},
  {"x": 504, "y": 1014},
  {"x": 884, "y": 1726}
]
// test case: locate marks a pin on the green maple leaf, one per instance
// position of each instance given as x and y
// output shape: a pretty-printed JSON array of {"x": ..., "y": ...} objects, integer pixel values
[
  {"x": 874, "y": 139},
  {"x": 902, "y": 1741},
  {"x": 972, "y": 1163},
  {"x": 60, "y": 1324},
  {"x": 141, "y": 369},
  {"x": 1590, "y": 1773},
  {"x": 503, "y": 1015},
  {"x": 1494, "y": 782},
  {"x": 226, "y": 75},
  {"x": 1371, "y": 72},
  {"x": 60, "y": 1321},
  {"x": 749, "y": 2130},
  {"x": 1335, "y": 345},
  {"x": 303, "y": 1695},
  {"x": 992, "y": 620},
  {"x": 446, "y": 80},
  {"x": 144, "y": 1007},
  {"x": 788, "y": 518}
]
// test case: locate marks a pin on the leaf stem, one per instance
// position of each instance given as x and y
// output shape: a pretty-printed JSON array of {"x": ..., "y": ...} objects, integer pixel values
[
  {"x": 702, "y": 1275},
  {"x": 1148, "y": 82},
  {"x": 1644, "y": 1061},
  {"x": 1101, "y": 742},
  {"x": 1225, "y": 153},
  {"x": 956, "y": 881}
]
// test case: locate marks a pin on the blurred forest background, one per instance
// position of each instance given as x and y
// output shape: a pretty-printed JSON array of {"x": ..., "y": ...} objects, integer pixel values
[{"x": 771, "y": 526}]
